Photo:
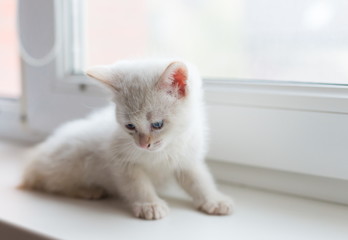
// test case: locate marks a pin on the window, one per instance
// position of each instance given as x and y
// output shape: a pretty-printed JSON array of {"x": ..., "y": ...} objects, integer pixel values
[
  {"x": 297, "y": 41},
  {"x": 9, "y": 57},
  {"x": 285, "y": 124}
]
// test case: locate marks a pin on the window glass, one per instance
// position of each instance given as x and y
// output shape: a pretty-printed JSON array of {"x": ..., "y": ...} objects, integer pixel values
[
  {"x": 299, "y": 40},
  {"x": 9, "y": 54}
]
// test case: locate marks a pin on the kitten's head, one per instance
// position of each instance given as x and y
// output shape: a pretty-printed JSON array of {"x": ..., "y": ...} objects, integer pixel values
[{"x": 151, "y": 99}]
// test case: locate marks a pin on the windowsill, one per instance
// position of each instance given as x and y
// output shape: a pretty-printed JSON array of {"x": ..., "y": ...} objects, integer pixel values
[{"x": 259, "y": 214}]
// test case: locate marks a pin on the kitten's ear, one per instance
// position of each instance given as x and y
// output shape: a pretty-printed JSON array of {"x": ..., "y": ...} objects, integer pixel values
[
  {"x": 174, "y": 80},
  {"x": 103, "y": 74}
]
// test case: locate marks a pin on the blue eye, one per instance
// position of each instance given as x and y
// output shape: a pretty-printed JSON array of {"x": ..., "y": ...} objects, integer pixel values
[
  {"x": 157, "y": 125},
  {"x": 130, "y": 126}
]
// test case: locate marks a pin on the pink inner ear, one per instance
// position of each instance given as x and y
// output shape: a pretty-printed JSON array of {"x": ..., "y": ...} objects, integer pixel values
[{"x": 179, "y": 79}]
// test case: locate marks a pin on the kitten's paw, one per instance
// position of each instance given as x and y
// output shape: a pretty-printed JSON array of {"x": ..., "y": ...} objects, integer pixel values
[
  {"x": 217, "y": 206},
  {"x": 150, "y": 210}
]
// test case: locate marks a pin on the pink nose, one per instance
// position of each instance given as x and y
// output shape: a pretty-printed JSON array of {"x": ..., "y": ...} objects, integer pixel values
[
  {"x": 144, "y": 141},
  {"x": 145, "y": 146}
]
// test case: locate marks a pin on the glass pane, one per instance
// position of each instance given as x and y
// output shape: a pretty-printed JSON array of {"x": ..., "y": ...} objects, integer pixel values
[
  {"x": 299, "y": 40},
  {"x": 9, "y": 54}
]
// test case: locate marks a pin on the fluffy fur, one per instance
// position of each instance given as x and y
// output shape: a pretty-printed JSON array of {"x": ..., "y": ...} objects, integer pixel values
[{"x": 98, "y": 155}]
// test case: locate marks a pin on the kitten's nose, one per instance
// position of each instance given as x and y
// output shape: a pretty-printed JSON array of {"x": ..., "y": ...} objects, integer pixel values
[{"x": 144, "y": 141}]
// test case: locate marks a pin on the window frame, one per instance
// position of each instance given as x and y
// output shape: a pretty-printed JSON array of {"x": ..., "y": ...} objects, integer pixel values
[{"x": 68, "y": 95}]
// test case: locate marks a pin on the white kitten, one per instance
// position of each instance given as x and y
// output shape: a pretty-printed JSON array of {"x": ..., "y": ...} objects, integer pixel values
[{"x": 159, "y": 132}]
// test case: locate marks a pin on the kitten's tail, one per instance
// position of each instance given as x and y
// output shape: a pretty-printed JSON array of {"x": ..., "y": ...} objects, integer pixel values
[{"x": 31, "y": 178}]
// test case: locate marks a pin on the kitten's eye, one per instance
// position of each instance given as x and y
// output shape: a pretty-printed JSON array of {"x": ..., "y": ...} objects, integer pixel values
[
  {"x": 130, "y": 126},
  {"x": 157, "y": 125}
]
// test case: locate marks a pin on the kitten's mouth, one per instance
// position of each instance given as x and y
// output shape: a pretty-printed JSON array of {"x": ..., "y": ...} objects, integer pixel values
[{"x": 155, "y": 146}]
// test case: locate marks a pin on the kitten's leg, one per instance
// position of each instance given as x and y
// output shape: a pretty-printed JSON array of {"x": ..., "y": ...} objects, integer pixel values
[
  {"x": 90, "y": 193},
  {"x": 39, "y": 175},
  {"x": 198, "y": 182},
  {"x": 137, "y": 189},
  {"x": 34, "y": 181}
]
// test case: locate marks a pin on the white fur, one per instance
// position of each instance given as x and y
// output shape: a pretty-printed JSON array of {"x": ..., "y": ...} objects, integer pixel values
[{"x": 98, "y": 155}]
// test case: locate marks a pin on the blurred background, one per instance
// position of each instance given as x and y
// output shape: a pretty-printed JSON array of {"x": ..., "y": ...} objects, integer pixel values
[
  {"x": 291, "y": 41},
  {"x": 10, "y": 85}
]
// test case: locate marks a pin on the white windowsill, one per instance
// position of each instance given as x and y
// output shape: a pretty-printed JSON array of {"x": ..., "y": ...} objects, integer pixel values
[{"x": 259, "y": 214}]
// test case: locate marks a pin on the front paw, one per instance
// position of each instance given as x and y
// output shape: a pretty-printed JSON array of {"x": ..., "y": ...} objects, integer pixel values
[
  {"x": 217, "y": 206},
  {"x": 150, "y": 210}
]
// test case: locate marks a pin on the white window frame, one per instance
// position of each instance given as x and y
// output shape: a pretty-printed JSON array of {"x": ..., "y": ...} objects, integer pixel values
[{"x": 54, "y": 94}]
